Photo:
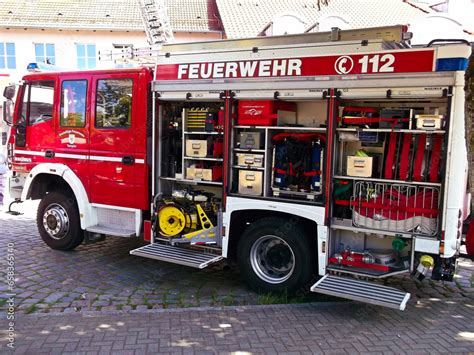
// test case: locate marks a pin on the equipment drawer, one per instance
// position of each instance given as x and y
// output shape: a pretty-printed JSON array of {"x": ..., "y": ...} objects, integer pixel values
[
  {"x": 255, "y": 160},
  {"x": 428, "y": 122},
  {"x": 196, "y": 148},
  {"x": 211, "y": 174},
  {"x": 250, "y": 182}
]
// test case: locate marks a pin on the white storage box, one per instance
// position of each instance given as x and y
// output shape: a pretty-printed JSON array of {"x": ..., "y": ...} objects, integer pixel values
[
  {"x": 196, "y": 148},
  {"x": 250, "y": 182},
  {"x": 255, "y": 160},
  {"x": 429, "y": 122},
  {"x": 359, "y": 166}
]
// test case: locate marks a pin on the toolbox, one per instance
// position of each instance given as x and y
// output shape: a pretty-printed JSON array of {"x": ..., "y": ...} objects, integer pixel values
[
  {"x": 250, "y": 182},
  {"x": 395, "y": 118},
  {"x": 251, "y": 140},
  {"x": 429, "y": 122},
  {"x": 196, "y": 148},
  {"x": 213, "y": 173},
  {"x": 359, "y": 166},
  {"x": 266, "y": 113},
  {"x": 254, "y": 160}
]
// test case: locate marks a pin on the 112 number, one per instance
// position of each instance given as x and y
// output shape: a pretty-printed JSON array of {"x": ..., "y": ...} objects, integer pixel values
[{"x": 377, "y": 63}]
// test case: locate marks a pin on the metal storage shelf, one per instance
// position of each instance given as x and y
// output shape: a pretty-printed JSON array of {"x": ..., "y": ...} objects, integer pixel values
[
  {"x": 205, "y": 159},
  {"x": 247, "y": 167},
  {"x": 243, "y": 150},
  {"x": 187, "y": 181},
  {"x": 344, "y": 177},
  {"x": 204, "y": 133},
  {"x": 313, "y": 129},
  {"x": 366, "y": 272},
  {"x": 389, "y": 130},
  {"x": 341, "y": 226}
]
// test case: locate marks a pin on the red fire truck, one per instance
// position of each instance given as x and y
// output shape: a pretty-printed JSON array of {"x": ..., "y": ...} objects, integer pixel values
[{"x": 333, "y": 158}]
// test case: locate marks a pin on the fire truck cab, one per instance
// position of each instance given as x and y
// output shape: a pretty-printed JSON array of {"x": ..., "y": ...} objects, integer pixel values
[{"x": 333, "y": 156}]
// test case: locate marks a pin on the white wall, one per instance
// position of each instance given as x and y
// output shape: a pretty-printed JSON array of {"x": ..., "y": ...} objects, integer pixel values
[
  {"x": 65, "y": 49},
  {"x": 65, "y": 45}
]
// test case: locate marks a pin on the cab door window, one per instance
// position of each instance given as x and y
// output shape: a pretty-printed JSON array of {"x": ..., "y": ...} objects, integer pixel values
[
  {"x": 73, "y": 103},
  {"x": 40, "y": 102},
  {"x": 114, "y": 103}
]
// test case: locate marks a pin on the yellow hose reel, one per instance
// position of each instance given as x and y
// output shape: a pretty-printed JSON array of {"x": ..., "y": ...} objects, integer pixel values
[
  {"x": 194, "y": 228},
  {"x": 172, "y": 220}
]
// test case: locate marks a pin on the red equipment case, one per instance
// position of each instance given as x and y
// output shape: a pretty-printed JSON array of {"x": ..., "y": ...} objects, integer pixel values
[{"x": 262, "y": 112}]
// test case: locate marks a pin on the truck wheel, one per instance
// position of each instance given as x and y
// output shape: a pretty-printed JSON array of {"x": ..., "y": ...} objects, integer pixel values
[
  {"x": 276, "y": 256},
  {"x": 58, "y": 221}
]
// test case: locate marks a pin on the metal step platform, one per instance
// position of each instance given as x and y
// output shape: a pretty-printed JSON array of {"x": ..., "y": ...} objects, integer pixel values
[
  {"x": 361, "y": 291},
  {"x": 177, "y": 255}
]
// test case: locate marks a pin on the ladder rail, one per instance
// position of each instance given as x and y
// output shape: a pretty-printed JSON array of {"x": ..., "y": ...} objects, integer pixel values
[
  {"x": 156, "y": 21},
  {"x": 394, "y": 37}
]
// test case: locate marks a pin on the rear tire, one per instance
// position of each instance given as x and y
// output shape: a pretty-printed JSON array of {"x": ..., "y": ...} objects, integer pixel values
[
  {"x": 276, "y": 256},
  {"x": 58, "y": 221}
]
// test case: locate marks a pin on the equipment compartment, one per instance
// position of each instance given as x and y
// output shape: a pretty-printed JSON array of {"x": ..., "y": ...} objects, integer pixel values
[
  {"x": 283, "y": 146},
  {"x": 188, "y": 200},
  {"x": 369, "y": 255}
]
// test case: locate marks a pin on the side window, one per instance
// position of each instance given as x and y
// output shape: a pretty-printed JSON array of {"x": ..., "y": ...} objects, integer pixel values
[
  {"x": 73, "y": 103},
  {"x": 41, "y": 101},
  {"x": 113, "y": 103}
]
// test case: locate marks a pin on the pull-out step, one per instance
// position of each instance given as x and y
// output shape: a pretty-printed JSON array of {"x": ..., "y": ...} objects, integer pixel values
[
  {"x": 177, "y": 255},
  {"x": 362, "y": 291}
]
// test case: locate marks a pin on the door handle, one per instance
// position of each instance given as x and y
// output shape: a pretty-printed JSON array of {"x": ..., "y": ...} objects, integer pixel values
[
  {"x": 49, "y": 154},
  {"x": 128, "y": 160}
]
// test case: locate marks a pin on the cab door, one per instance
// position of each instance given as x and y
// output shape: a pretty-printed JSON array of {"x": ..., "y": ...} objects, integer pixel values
[
  {"x": 113, "y": 159},
  {"x": 72, "y": 137},
  {"x": 34, "y": 135}
]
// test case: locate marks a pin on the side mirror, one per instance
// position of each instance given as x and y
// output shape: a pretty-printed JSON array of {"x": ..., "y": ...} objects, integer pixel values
[
  {"x": 9, "y": 92},
  {"x": 8, "y": 108}
]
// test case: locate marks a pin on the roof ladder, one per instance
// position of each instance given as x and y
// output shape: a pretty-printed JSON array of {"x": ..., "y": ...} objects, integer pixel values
[{"x": 156, "y": 21}]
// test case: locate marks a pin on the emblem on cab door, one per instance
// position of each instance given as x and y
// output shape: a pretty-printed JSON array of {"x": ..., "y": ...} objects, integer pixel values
[{"x": 72, "y": 138}]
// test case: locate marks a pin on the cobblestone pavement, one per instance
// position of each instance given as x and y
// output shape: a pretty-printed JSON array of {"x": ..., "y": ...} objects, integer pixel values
[
  {"x": 99, "y": 299},
  {"x": 104, "y": 276},
  {"x": 443, "y": 326}
]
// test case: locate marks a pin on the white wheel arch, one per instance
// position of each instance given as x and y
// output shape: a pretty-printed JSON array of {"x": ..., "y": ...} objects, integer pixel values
[{"x": 85, "y": 209}]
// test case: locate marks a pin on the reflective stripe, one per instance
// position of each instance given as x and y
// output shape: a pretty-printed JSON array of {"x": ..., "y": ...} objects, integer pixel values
[
  {"x": 102, "y": 158},
  {"x": 76, "y": 156},
  {"x": 71, "y": 156},
  {"x": 28, "y": 152}
]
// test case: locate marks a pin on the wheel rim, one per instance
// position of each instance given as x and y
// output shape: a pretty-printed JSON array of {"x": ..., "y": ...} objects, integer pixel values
[
  {"x": 272, "y": 259},
  {"x": 56, "y": 221}
]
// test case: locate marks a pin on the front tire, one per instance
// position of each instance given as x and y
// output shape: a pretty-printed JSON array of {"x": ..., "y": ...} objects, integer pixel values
[
  {"x": 276, "y": 256},
  {"x": 58, "y": 221}
]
